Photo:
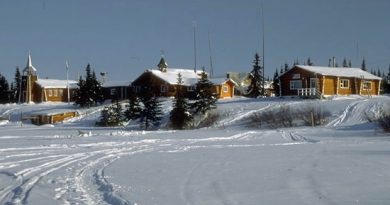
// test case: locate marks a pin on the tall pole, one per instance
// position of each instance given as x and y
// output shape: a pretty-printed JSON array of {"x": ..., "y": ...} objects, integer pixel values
[
  {"x": 262, "y": 20},
  {"x": 194, "y": 26},
  {"x": 211, "y": 58},
  {"x": 67, "y": 80}
]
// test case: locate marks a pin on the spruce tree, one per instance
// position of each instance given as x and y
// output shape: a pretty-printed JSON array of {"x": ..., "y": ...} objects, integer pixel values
[
  {"x": 4, "y": 90},
  {"x": 345, "y": 64},
  {"x": 387, "y": 80},
  {"x": 89, "y": 91},
  {"x": 285, "y": 68},
  {"x": 364, "y": 65},
  {"x": 96, "y": 90},
  {"x": 16, "y": 86},
  {"x": 111, "y": 115},
  {"x": 134, "y": 108},
  {"x": 256, "y": 87},
  {"x": 276, "y": 83},
  {"x": 180, "y": 117},
  {"x": 350, "y": 63},
  {"x": 205, "y": 99},
  {"x": 80, "y": 96},
  {"x": 151, "y": 112},
  {"x": 309, "y": 62}
]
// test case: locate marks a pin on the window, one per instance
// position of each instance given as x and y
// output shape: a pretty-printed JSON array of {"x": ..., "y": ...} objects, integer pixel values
[
  {"x": 313, "y": 82},
  {"x": 61, "y": 92},
  {"x": 137, "y": 89},
  {"x": 112, "y": 91},
  {"x": 295, "y": 84},
  {"x": 296, "y": 76},
  {"x": 50, "y": 93},
  {"x": 55, "y": 92},
  {"x": 367, "y": 85},
  {"x": 225, "y": 89},
  {"x": 164, "y": 88},
  {"x": 344, "y": 83},
  {"x": 191, "y": 88}
]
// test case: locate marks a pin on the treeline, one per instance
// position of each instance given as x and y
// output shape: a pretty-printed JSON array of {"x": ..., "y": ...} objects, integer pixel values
[{"x": 10, "y": 92}]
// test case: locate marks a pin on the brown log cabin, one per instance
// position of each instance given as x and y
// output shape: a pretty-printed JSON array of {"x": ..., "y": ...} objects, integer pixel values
[
  {"x": 163, "y": 82},
  {"x": 316, "y": 81}
]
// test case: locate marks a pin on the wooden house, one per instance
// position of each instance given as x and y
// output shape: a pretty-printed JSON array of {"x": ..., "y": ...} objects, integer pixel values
[
  {"x": 39, "y": 90},
  {"x": 116, "y": 90},
  {"x": 163, "y": 81},
  {"x": 316, "y": 81}
]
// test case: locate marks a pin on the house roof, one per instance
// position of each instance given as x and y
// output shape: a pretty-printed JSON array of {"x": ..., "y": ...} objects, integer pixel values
[
  {"x": 109, "y": 84},
  {"x": 189, "y": 77},
  {"x": 339, "y": 72},
  {"x": 54, "y": 83},
  {"x": 219, "y": 81}
]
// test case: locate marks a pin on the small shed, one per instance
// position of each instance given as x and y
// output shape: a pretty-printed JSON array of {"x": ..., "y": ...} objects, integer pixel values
[
  {"x": 320, "y": 81},
  {"x": 224, "y": 87},
  {"x": 52, "y": 116}
]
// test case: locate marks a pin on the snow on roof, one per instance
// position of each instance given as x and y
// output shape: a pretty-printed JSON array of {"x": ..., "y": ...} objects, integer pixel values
[
  {"x": 189, "y": 77},
  {"x": 52, "y": 111},
  {"x": 53, "y": 83},
  {"x": 340, "y": 72},
  {"x": 29, "y": 67},
  {"x": 116, "y": 84},
  {"x": 268, "y": 84},
  {"x": 219, "y": 81}
]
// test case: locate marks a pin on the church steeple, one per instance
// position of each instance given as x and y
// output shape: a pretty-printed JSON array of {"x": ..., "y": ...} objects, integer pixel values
[
  {"x": 162, "y": 65},
  {"x": 29, "y": 69}
]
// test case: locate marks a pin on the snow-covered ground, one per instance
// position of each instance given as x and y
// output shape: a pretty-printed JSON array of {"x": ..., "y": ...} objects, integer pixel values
[{"x": 346, "y": 161}]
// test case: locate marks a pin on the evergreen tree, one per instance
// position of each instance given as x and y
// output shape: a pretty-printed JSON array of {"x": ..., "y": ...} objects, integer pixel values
[
  {"x": 296, "y": 62},
  {"x": 16, "y": 86},
  {"x": 379, "y": 73},
  {"x": 89, "y": 91},
  {"x": 387, "y": 81},
  {"x": 80, "y": 95},
  {"x": 364, "y": 65},
  {"x": 4, "y": 90},
  {"x": 205, "y": 99},
  {"x": 96, "y": 89},
  {"x": 180, "y": 116},
  {"x": 286, "y": 68},
  {"x": 111, "y": 115},
  {"x": 276, "y": 83},
  {"x": 256, "y": 88},
  {"x": 350, "y": 63},
  {"x": 345, "y": 64},
  {"x": 309, "y": 62},
  {"x": 134, "y": 108},
  {"x": 151, "y": 113}
]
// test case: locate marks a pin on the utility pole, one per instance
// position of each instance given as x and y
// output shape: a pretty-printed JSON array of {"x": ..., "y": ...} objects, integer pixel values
[
  {"x": 211, "y": 58},
  {"x": 262, "y": 20},
  {"x": 67, "y": 80},
  {"x": 194, "y": 26}
]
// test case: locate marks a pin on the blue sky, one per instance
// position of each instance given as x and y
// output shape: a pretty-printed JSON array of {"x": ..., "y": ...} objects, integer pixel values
[{"x": 124, "y": 37}]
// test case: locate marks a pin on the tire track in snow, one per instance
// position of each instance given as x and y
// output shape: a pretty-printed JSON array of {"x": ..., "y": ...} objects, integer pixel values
[{"x": 242, "y": 115}]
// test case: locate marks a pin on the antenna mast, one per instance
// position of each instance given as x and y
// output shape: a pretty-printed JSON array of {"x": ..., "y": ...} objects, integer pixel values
[
  {"x": 262, "y": 20},
  {"x": 211, "y": 58},
  {"x": 194, "y": 26}
]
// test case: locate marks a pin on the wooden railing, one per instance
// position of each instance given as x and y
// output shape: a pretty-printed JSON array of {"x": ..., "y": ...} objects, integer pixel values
[{"x": 309, "y": 92}]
